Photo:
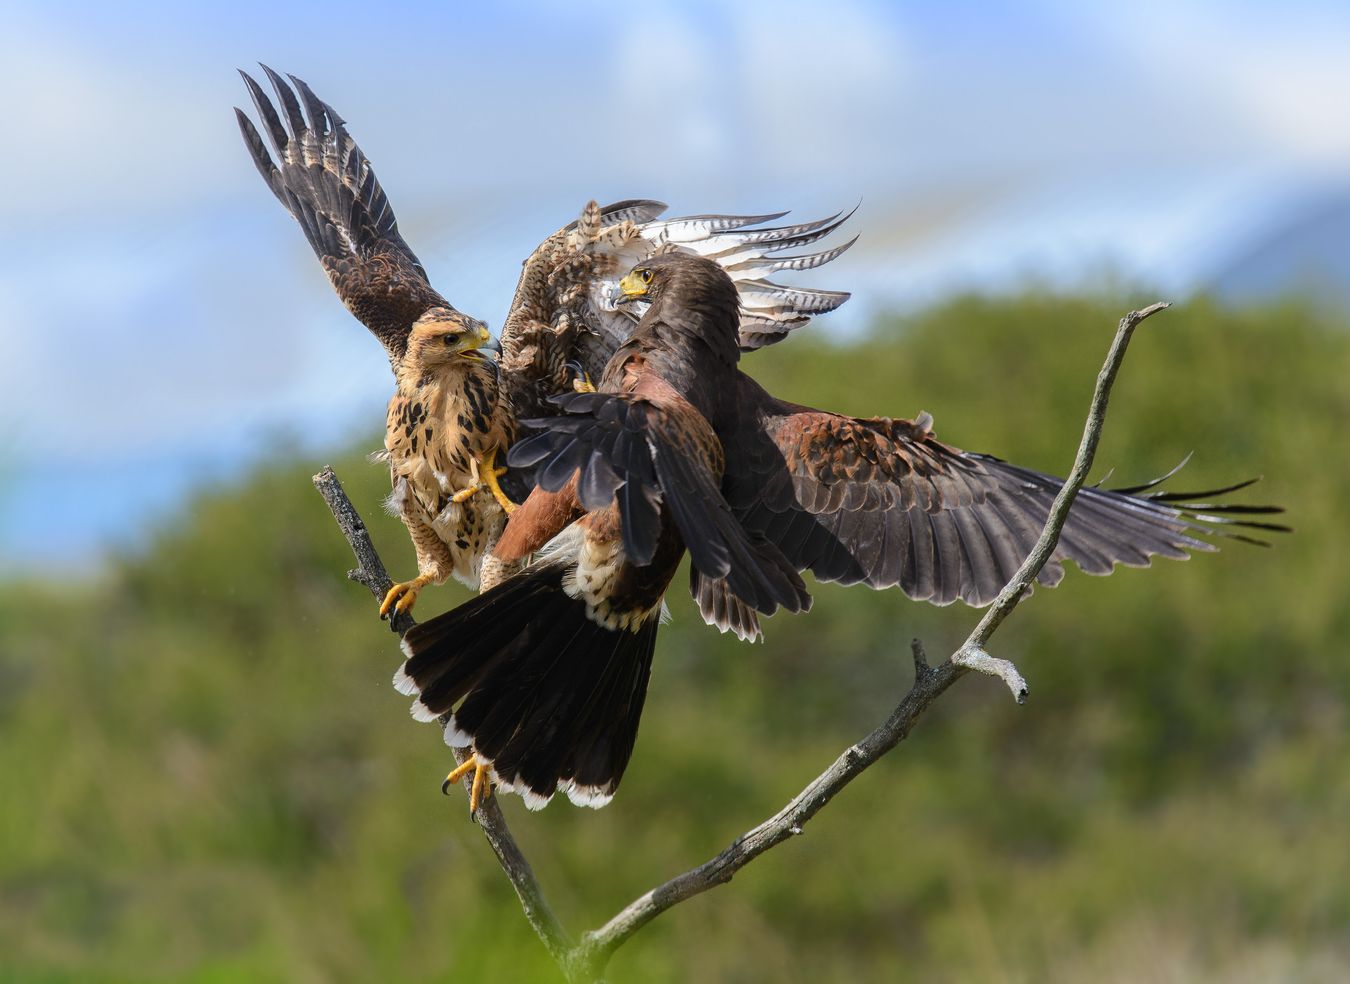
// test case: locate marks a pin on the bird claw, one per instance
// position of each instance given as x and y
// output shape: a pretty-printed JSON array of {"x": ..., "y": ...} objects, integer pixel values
[
  {"x": 402, "y": 596},
  {"x": 581, "y": 379},
  {"x": 481, "y": 787}
]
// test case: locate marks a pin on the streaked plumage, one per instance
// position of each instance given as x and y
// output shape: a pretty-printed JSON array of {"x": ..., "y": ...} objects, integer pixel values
[
  {"x": 561, "y": 317},
  {"x": 681, "y": 450},
  {"x": 446, "y": 422}
]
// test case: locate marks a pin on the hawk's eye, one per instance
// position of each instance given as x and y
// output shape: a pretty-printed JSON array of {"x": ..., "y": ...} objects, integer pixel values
[
  {"x": 448, "y": 339},
  {"x": 646, "y": 276}
]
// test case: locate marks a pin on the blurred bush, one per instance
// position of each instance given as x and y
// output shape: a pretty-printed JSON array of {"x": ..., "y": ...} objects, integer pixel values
[{"x": 208, "y": 777}]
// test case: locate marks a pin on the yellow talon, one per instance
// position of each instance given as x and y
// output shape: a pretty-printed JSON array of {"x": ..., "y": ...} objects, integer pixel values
[
  {"x": 481, "y": 788},
  {"x": 491, "y": 473},
  {"x": 402, "y": 596},
  {"x": 464, "y": 495},
  {"x": 581, "y": 379}
]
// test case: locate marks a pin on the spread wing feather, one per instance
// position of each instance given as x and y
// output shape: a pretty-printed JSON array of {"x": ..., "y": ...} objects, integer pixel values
[
  {"x": 323, "y": 179},
  {"x": 768, "y": 310},
  {"x": 597, "y": 250},
  {"x": 884, "y": 502},
  {"x": 721, "y": 608}
]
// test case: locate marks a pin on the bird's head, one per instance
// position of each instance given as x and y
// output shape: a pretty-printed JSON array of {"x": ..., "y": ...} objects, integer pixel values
[
  {"x": 442, "y": 336},
  {"x": 675, "y": 272},
  {"x": 689, "y": 292}
]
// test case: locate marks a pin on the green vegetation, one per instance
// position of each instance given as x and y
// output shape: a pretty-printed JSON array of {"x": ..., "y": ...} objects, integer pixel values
[{"x": 207, "y": 776}]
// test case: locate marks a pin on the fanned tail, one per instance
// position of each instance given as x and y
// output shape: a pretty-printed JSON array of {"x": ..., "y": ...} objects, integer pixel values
[{"x": 546, "y": 695}]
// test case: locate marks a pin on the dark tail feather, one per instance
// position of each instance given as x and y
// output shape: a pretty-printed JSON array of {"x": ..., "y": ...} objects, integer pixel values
[{"x": 550, "y": 697}]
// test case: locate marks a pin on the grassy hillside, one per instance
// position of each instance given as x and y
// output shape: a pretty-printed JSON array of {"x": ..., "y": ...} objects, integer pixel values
[{"x": 209, "y": 778}]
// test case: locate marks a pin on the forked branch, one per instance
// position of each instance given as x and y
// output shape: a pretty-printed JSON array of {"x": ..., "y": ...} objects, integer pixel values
[{"x": 585, "y": 960}]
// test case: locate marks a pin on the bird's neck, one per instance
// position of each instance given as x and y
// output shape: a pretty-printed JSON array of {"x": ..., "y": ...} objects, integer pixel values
[
  {"x": 445, "y": 380},
  {"x": 690, "y": 345},
  {"x": 704, "y": 331}
]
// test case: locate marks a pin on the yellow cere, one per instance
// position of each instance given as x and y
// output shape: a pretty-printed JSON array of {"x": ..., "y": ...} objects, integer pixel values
[{"x": 635, "y": 284}]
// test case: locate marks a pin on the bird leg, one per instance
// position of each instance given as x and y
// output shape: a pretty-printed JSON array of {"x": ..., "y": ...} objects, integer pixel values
[
  {"x": 481, "y": 788},
  {"x": 464, "y": 495},
  {"x": 491, "y": 473},
  {"x": 488, "y": 473},
  {"x": 402, "y": 596}
]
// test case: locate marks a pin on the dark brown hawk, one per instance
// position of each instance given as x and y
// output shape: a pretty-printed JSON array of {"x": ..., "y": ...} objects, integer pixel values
[
  {"x": 544, "y": 677},
  {"x": 454, "y": 411}
]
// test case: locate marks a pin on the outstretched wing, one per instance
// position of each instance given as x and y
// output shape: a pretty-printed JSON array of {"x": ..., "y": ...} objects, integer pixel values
[
  {"x": 884, "y": 502},
  {"x": 326, "y": 182}
]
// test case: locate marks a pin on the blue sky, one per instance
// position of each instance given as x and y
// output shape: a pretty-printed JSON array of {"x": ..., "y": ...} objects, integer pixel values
[{"x": 163, "y": 320}]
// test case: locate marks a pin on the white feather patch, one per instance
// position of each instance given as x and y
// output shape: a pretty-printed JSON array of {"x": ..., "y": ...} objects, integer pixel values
[
  {"x": 534, "y": 802},
  {"x": 396, "y": 502},
  {"x": 405, "y": 684},
  {"x": 420, "y": 712},
  {"x": 593, "y": 797},
  {"x": 449, "y": 518},
  {"x": 564, "y": 546},
  {"x": 454, "y": 736}
]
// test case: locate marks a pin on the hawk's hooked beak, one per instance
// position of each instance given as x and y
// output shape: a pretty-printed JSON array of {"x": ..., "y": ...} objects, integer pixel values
[
  {"x": 477, "y": 340},
  {"x": 630, "y": 288}
]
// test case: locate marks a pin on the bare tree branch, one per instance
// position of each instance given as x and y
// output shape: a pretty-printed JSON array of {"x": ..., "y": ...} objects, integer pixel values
[
  {"x": 973, "y": 658},
  {"x": 586, "y": 960},
  {"x": 1059, "y": 511},
  {"x": 370, "y": 572},
  {"x": 929, "y": 684},
  {"x": 369, "y": 568}
]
